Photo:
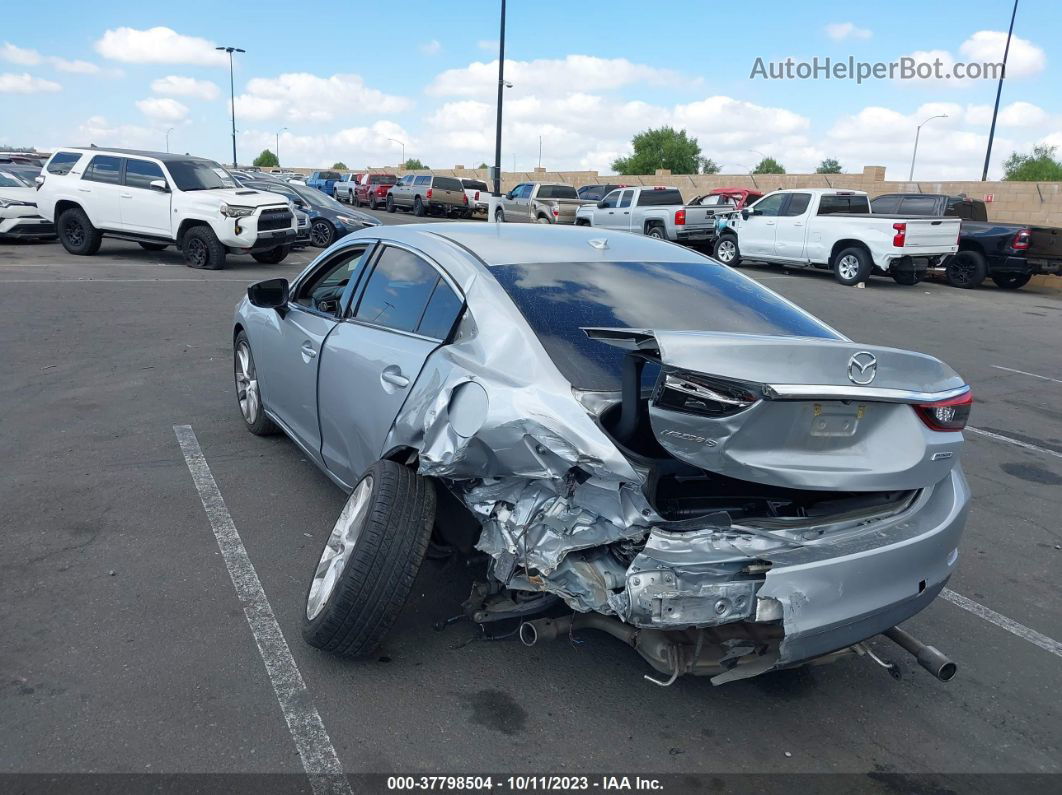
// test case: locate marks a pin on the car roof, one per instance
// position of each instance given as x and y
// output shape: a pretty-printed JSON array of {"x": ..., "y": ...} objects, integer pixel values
[{"x": 165, "y": 157}]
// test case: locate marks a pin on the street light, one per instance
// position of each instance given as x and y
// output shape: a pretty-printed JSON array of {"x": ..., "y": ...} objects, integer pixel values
[
  {"x": 282, "y": 129},
  {"x": 400, "y": 143},
  {"x": 999, "y": 90},
  {"x": 168, "y": 138},
  {"x": 502, "y": 84},
  {"x": 918, "y": 131},
  {"x": 232, "y": 97}
]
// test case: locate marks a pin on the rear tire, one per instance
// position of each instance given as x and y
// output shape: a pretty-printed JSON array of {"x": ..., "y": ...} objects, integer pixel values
[
  {"x": 202, "y": 249},
  {"x": 657, "y": 231},
  {"x": 906, "y": 277},
  {"x": 726, "y": 250},
  {"x": 1011, "y": 281},
  {"x": 499, "y": 216},
  {"x": 77, "y": 234},
  {"x": 354, "y": 200},
  {"x": 581, "y": 222},
  {"x": 852, "y": 266},
  {"x": 372, "y": 202},
  {"x": 966, "y": 270},
  {"x": 273, "y": 256},
  {"x": 370, "y": 561},
  {"x": 418, "y": 207},
  {"x": 152, "y": 246},
  {"x": 390, "y": 205}
]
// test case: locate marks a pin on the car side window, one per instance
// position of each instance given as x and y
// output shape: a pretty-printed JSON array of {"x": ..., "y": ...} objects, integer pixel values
[
  {"x": 625, "y": 198},
  {"x": 141, "y": 173},
  {"x": 886, "y": 205},
  {"x": 612, "y": 199},
  {"x": 323, "y": 290},
  {"x": 398, "y": 290},
  {"x": 63, "y": 162},
  {"x": 422, "y": 181},
  {"x": 526, "y": 191},
  {"x": 798, "y": 204},
  {"x": 770, "y": 205},
  {"x": 441, "y": 313},
  {"x": 104, "y": 168}
]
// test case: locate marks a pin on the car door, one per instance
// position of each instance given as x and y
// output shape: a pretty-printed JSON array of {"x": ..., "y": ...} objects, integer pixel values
[
  {"x": 518, "y": 203},
  {"x": 287, "y": 354},
  {"x": 791, "y": 227},
  {"x": 145, "y": 209},
  {"x": 100, "y": 186},
  {"x": 623, "y": 210},
  {"x": 605, "y": 211},
  {"x": 405, "y": 311},
  {"x": 756, "y": 233}
]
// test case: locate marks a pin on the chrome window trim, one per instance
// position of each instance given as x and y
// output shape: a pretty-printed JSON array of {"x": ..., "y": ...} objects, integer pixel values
[{"x": 832, "y": 392}]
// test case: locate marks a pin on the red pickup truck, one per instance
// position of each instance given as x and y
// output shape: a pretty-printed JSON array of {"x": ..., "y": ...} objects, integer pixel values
[
  {"x": 372, "y": 189},
  {"x": 739, "y": 197}
]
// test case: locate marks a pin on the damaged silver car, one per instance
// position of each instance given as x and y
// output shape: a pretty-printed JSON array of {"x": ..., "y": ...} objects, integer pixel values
[{"x": 631, "y": 437}]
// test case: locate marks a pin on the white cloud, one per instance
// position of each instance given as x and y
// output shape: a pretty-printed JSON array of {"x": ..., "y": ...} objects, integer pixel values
[
  {"x": 20, "y": 55},
  {"x": 1016, "y": 114},
  {"x": 355, "y": 146},
  {"x": 158, "y": 45},
  {"x": 432, "y": 47},
  {"x": 300, "y": 96},
  {"x": 28, "y": 57},
  {"x": 162, "y": 109},
  {"x": 839, "y": 31},
  {"x": 490, "y": 45},
  {"x": 11, "y": 83},
  {"x": 176, "y": 85},
  {"x": 74, "y": 67},
  {"x": 97, "y": 130},
  {"x": 1024, "y": 58}
]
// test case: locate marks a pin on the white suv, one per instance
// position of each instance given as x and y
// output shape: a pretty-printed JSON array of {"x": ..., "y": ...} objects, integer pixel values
[{"x": 159, "y": 200}]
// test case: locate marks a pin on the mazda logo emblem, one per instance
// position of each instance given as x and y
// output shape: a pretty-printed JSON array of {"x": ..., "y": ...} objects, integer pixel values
[{"x": 862, "y": 368}]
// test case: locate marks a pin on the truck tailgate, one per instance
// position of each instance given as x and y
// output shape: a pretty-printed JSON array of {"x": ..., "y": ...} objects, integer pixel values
[
  {"x": 700, "y": 216},
  {"x": 1045, "y": 243},
  {"x": 931, "y": 235},
  {"x": 565, "y": 209}
]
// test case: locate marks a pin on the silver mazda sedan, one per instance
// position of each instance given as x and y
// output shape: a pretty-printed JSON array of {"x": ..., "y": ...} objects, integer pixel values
[{"x": 626, "y": 435}]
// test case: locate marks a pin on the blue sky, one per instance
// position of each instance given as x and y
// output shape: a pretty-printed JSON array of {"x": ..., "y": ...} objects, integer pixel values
[{"x": 346, "y": 77}]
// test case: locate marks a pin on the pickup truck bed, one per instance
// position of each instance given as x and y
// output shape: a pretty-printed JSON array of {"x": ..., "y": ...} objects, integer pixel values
[{"x": 657, "y": 212}]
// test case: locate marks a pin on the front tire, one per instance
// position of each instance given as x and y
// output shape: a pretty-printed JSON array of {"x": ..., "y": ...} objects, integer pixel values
[
  {"x": 966, "y": 270},
  {"x": 727, "y": 251},
  {"x": 1011, "y": 281},
  {"x": 77, "y": 234},
  {"x": 390, "y": 205},
  {"x": 322, "y": 234},
  {"x": 248, "y": 394},
  {"x": 202, "y": 249},
  {"x": 852, "y": 266},
  {"x": 273, "y": 256},
  {"x": 372, "y": 202},
  {"x": 499, "y": 216},
  {"x": 370, "y": 561}
]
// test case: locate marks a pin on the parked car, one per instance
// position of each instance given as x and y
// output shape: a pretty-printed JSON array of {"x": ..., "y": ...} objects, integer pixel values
[
  {"x": 425, "y": 194},
  {"x": 656, "y": 211},
  {"x": 19, "y": 217},
  {"x": 343, "y": 188},
  {"x": 323, "y": 181},
  {"x": 538, "y": 203},
  {"x": 372, "y": 189},
  {"x": 328, "y": 219},
  {"x": 478, "y": 193},
  {"x": 737, "y": 198},
  {"x": 1009, "y": 253},
  {"x": 834, "y": 229},
  {"x": 637, "y": 439},
  {"x": 595, "y": 193},
  {"x": 160, "y": 199}
]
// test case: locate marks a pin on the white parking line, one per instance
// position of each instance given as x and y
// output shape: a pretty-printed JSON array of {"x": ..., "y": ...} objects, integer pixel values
[
  {"x": 1001, "y": 621},
  {"x": 319, "y": 758},
  {"x": 1023, "y": 372},
  {"x": 1017, "y": 442}
]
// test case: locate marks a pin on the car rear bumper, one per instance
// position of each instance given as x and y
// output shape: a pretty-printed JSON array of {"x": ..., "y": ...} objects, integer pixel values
[
  {"x": 695, "y": 234},
  {"x": 1027, "y": 265},
  {"x": 912, "y": 264}
]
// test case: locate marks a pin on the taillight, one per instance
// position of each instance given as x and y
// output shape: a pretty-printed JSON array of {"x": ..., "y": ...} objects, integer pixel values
[
  {"x": 946, "y": 415},
  {"x": 680, "y": 217},
  {"x": 477, "y": 195},
  {"x": 556, "y": 211},
  {"x": 1021, "y": 240},
  {"x": 428, "y": 194},
  {"x": 465, "y": 197},
  {"x": 706, "y": 396},
  {"x": 901, "y": 235}
]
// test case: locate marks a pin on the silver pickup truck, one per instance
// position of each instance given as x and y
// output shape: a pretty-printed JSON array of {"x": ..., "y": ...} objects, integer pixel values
[
  {"x": 538, "y": 203},
  {"x": 656, "y": 211}
]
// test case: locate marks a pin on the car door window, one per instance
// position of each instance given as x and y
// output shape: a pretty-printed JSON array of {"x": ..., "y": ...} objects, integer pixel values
[
  {"x": 441, "y": 313},
  {"x": 141, "y": 173},
  {"x": 770, "y": 205},
  {"x": 525, "y": 192},
  {"x": 918, "y": 205},
  {"x": 104, "y": 168},
  {"x": 798, "y": 204},
  {"x": 625, "y": 198},
  {"x": 63, "y": 162},
  {"x": 611, "y": 200},
  {"x": 323, "y": 290},
  {"x": 422, "y": 181},
  {"x": 398, "y": 290},
  {"x": 885, "y": 205}
]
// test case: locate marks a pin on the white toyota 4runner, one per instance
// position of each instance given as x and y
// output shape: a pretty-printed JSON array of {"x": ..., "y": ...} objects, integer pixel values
[{"x": 158, "y": 200}]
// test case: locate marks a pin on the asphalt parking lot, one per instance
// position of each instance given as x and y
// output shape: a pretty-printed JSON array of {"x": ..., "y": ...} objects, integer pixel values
[{"x": 125, "y": 647}]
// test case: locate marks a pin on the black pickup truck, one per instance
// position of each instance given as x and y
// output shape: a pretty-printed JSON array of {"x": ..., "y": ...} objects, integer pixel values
[{"x": 1008, "y": 253}]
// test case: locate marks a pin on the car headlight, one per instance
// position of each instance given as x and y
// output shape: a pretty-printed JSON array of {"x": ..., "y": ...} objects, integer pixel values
[
  {"x": 348, "y": 221},
  {"x": 235, "y": 211},
  {"x": 15, "y": 203}
]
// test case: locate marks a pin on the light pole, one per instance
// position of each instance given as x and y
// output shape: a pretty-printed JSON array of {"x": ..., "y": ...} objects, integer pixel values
[
  {"x": 232, "y": 97},
  {"x": 168, "y": 138},
  {"x": 918, "y": 131},
  {"x": 501, "y": 89},
  {"x": 400, "y": 143},
  {"x": 999, "y": 90},
  {"x": 282, "y": 129}
]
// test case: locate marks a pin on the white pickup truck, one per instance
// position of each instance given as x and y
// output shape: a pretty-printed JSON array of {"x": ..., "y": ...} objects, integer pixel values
[
  {"x": 656, "y": 211},
  {"x": 834, "y": 229}
]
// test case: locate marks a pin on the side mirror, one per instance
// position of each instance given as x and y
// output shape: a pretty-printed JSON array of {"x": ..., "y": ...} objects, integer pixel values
[
  {"x": 159, "y": 185},
  {"x": 509, "y": 195},
  {"x": 745, "y": 214},
  {"x": 39, "y": 180},
  {"x": 602, "y": 204},
  {"x": 270, "y": 294}
]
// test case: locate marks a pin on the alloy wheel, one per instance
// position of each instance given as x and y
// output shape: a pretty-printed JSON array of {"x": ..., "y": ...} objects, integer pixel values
[
  {"x": 246, "y": 384},
  {"x": 75, "y": 233},
  {"x": 320, "y": 234},
  {"x": 339, "y": 548},
  {"x": 726, "y": 251},
  {"x": 196, "y": 251},
  {"x": 848, "y": 267}
]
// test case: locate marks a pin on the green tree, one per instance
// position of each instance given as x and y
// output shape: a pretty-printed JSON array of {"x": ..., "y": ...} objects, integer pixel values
[
  {"x": 413, "y": 164},
  {"x": 769, "y": 166},
  {"x": 828, "y": 165},
  {"x": 709, "y": 166},
  {"x": 664, "y": 148},
  {"x": 339, "y": 165},
  {"x": 266, "y": 160},
  {"x": 1040, "y": 166},
  {"x": 482, "y": 165}
]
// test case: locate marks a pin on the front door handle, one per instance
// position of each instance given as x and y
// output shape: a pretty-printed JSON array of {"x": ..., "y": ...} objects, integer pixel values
[
  {"x": 126, "y": 195},
  {"x": 308, "y": 353},
  {"x": 393, "y": 375}
]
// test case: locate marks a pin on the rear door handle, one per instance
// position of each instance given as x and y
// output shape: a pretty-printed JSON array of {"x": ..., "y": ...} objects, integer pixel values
[
  {"x": 85, "y": 190},
  {"x": 393, "y": 375},
  {"x": 308, "y": 353},
  {"x": 126, "y": 195}
]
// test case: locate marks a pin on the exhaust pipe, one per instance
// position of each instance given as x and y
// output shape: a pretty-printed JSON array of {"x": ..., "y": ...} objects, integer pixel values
[
  {"x": 928, "y": 657},
  {"x": 531, "y": 632}
]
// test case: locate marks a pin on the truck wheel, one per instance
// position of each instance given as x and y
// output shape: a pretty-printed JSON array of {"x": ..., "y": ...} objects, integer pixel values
[
  {"x": 77, "y": 234},
  {"x": 370, "y": 560},
  {"x": 581, "y": 222},
  {"x": 372, "y": 202},
  {"x": 966, "y": 269},
  {"x": 905, "y": 277},
  {"x": 851, "y": 266},
  {"x": 202, "y": 249},
  {"x": 322, "y": 234},
  {"x": 657, "y": 231},
  {"x": 335, "y": 195},
  {"x": 418, "y": 207},
  {"x": 543, "y": 220},
  {"x": 390, "y": 205},
  {"x": 152, "y": 246},
  {"x": 248, "y": 393},
  {"x": 499, "y": 216},
  {"x": 1011, "y": 281},
  {"x": 727, "y": 251},
  {"x": 273, "y": 256}
]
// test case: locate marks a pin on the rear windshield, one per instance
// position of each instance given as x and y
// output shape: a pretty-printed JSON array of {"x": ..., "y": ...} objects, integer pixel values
[
  {"x": 831, "y": 205},
  {"x": 656, "y": 198},
  {"x": 333, "y": 175},
  {"x": 383, "y": 179},
  {"x": 199, "y": 175},
  {"x": 474, "y": 184},
  {"x": 558, "y": 300},
  {"x": 557, "y": 192},
  {"x": 447, "y": 183}
]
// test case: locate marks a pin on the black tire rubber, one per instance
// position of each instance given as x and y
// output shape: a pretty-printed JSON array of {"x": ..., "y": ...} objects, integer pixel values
[
  {"x": 372, "y": 202},
  {"x": 418, "y": 207},
  {"x": 1011, "y": 281},
  {"x": 966, "y": 270},
  {"x": 656, "y": 231},
  {"x": 153, "y": 246},
  {"x": 390, "y": 205},
  {"x": 77, "y": 234},
  {"x": 214, "y": 253},
  {"x": 906, "y": 277},
  {"x": 581, "y": 222},
  {"x": 379, "y": 575},
  {"x": 354, "y": 199},
  {"x": 736, "y": 260},
  {"x": 329, "y": 238},
  {"x": 262, "y": 425},
  {"x": 499, "y": 215},
  {"x": 862, "y": 273},
  {"x": 273, "y": 256}
]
